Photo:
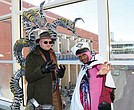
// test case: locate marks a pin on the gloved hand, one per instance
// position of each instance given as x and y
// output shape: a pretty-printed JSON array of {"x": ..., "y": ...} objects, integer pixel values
[
  {"x": 61, "y": 71},
  {"x": 48, "y": 67},
  {"x": 104, "y": 106}
]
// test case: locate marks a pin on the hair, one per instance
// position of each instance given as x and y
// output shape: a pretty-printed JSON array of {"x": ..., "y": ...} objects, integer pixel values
[{"x": 79, "y": 51}]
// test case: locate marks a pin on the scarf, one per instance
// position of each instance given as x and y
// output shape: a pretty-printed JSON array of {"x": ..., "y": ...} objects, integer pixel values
[
  {"x": 56, "y": 93},
  {"x": 84, "y": 92}
]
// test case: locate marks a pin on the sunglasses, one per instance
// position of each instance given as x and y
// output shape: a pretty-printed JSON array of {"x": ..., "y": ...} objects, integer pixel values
[{"x": 48, "y": 42}]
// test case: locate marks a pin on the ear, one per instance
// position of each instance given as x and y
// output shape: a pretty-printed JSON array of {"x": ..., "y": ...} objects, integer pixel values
[{"x": 39, "y": 42}]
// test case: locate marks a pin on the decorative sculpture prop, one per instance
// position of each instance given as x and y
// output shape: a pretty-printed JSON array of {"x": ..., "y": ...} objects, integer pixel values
[{"x": 33, "y": 22}]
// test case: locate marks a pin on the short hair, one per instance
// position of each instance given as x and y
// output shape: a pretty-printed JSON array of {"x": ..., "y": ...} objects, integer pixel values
[{"x": 79, "y": 51}]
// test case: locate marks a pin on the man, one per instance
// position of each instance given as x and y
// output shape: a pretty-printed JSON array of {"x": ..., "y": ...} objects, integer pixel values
[
  {"x": 42, "y": 73},
  {"x": 94, "y": 83}
]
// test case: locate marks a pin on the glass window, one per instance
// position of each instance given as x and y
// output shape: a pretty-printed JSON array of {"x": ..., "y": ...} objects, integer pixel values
[
  {"x": 121, "y": 29},
  {"x": 123, "y": 77},
  {"x": 5, "y": 6},
  {"x": 5, "y": 40},
  {"x": 87, "y": 10},
  {"x": 5, "y": 77},
  {"x": 76, "y": 10},
  {"x": 87, "y": 29},
  {"x": 26, "y": 4}
]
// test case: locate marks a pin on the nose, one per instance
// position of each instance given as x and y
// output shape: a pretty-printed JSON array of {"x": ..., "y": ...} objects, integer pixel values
[{"x": 81, "y": 57}]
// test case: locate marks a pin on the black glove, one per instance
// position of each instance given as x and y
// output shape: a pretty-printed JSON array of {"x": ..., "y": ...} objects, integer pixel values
[
  {"x": 61, "y": 71},
  {"x": 104, "y": 106},
  {"x": 112, "y": 95},
  {"x": 48, "y": 67}
]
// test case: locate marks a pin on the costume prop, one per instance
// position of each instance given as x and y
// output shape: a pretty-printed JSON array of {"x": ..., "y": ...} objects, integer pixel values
[{"x": 34, "y": 22}]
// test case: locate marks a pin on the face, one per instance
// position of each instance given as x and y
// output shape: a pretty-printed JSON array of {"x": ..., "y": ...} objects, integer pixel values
[
  {"x": 83, "y": 58},
  {"x": 45, "y": 44}
]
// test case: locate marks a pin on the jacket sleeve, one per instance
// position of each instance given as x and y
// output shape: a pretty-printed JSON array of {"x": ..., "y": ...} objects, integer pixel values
[{"x": 33, "y": 72}]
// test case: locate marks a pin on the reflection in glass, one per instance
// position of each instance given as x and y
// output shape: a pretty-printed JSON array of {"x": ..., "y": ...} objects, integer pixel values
[
  {"x": 87, "y": 29},
  {"x": 26, "y": 4},
  {"x": 122, "y": 51},
  {"x": 121, "y": 29},
  {"x": 5, "y": 76},
  {"x": 5, "y": 6},
  {"x": 5, "y": 40},
  {"x": 87, "y": 10},
  {"x": 121, "y": 19},
  {"x": 124, "y": 87}
]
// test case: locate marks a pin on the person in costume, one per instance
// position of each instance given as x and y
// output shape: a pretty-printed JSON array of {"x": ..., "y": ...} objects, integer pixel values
[
  {"x": 94, "y": 86},
  {"x": 42, "y": 73}
]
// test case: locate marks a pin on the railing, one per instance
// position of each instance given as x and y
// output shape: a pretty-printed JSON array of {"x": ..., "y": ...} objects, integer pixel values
[
  {"x": 5, "y": 103},
  {"x": 66, "y": 94},
  {"x": 66, "y": 57}
]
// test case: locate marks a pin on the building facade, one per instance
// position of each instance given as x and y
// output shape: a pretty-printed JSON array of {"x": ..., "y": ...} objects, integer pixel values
[{"x": 122, "y": 50}]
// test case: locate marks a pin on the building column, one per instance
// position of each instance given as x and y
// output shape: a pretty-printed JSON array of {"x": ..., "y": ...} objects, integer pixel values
[
  {"x": 66, "y": 79},
  {"x": 103, "y": 28},
  {"x": 56, "y": 45},
  {"x": 73, "y": 73},
  {"x": 15, "y": 29},
  {"x": 73, "y": 41},
  {"x": 64, "y": 44}
]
